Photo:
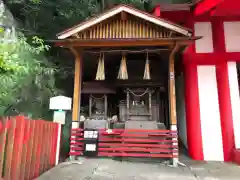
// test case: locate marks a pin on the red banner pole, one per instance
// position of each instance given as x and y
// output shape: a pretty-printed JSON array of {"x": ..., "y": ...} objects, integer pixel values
[
  {"x": 41, "y": 147},
  {"x": 30, "y": 151},
  {"x": 24, "y": 150},
  {"x": 3, "y": 135},
  {"x": 34, "y": 149},
  {"x": 48, "y": 154},
  {"x": 51, "y": 134},
  {"x": 17, "y": 147},
  {"x": 11, "y": 124},
  {"x": 53, "y": 144},
  {"x": 45, "y": 147},
  {"x": 39, "y": 144}
]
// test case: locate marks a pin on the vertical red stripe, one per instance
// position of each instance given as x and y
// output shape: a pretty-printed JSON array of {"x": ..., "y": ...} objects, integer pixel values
[
  {"x": 17, "y": 147},
  {"x": 225, "y": 109},
  {"x": 192, "y": 107},
  {"x": 25, "y": 146},
  {"x": 3, "y": 142},
  {"x": 223, "y": 90},
  {"x": 30, "y": 151},
  {"x": 39, "y": 146},
  {"x": 218, "y": 36},
  {"x": 194, "y": 134}
]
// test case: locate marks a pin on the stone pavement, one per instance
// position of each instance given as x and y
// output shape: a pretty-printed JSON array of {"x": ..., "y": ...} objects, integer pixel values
[{"x": 109, "y": 169}]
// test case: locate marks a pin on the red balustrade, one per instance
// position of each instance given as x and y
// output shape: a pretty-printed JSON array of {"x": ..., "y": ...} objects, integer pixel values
[
  {"x": 27, "y": 147},
  {"x": 129, "y": 143}
]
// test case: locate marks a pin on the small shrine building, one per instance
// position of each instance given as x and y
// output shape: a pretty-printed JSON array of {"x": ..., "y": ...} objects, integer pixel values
[{"x": 182, "y": 59}]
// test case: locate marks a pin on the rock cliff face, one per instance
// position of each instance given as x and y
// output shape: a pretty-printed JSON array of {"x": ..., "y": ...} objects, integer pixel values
[
  {"x": 6, "y": 18},
  {"x": 7, "y": 24}
]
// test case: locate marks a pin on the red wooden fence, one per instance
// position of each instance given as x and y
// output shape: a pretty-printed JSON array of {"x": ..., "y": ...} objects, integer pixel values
[
  {"x": 130, "y": 143},
  {"x": 27, "y": 147}
]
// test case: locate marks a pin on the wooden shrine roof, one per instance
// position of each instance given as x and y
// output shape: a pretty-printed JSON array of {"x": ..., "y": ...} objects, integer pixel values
[{"x": 156, "y": 27}]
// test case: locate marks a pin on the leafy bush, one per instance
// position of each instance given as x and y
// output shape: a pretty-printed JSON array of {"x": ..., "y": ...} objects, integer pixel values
[{"x": 26, "y": 77}]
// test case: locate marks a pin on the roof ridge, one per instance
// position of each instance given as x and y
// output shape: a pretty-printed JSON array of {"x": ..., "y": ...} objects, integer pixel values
[{"x": 117, "y": 9}]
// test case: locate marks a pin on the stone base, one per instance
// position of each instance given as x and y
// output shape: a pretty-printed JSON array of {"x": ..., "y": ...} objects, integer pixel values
[
  {"x": 141, "y": 125},
  {"x": 95, "y": 124}
]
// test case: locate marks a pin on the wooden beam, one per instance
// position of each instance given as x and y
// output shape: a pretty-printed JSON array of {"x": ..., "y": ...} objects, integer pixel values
[
  {"x": 77, "y": 85},
  {"x": 124, "y": 42},
  {"x": 172, "y": 95},
  {"x": 123, "y": 16}
]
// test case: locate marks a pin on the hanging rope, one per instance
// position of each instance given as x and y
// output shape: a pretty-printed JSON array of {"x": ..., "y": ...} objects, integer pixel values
[
  {"x": 97, "y": 97},
  {"x": 138, "y": 95},
  {"x": 123, "y": 74},
  {"x": 147, "y": 69},
  {"x": 100, "y": 70},
  {"x": 117, "y": 51}
]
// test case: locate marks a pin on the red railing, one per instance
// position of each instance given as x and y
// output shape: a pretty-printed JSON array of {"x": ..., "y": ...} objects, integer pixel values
[
  {"x": 27, "y": 147},
  {"x": 76, "y": 142},
  {"x": 130, "y": 143}
]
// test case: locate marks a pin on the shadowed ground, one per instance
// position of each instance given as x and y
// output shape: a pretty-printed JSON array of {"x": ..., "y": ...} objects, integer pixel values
[{"x": 108, "y": 169}]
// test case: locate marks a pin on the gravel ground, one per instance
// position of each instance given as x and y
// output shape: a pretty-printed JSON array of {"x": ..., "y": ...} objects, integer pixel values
[{"x": 108, "y": 169}]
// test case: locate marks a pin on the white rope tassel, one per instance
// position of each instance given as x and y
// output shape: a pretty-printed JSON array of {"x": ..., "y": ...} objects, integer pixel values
[
  {"x": 123, "y": 74},
  {"x": 101, "y": 69},
  {"x": 147, "y": 75},
  {"x": 98, "y": 68}
]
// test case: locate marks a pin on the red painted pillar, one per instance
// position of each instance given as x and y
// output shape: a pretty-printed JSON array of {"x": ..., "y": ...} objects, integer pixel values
[
  {"x": 225, "y": 109},
  {"x": 225, "y": 106},
  {"x": 194, "y": 134},
  {"x": 192, "y": 107}
]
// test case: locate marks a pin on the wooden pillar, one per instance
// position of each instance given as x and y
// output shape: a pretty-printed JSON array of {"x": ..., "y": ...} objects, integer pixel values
[
  {"x": 150, "y": 104},
  {"x": 77, "y": 85},
  {"x": 105, "y": 106},
  {"x": 128, "y": 105},
  {"x": 172, "y": 95},
  {"x": 172, "y": 102},
  {"x": 90, "y": 105},
  {"x": 77, "y": 92}
]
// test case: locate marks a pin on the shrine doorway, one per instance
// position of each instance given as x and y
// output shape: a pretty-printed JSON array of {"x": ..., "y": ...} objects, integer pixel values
[{"x": 137, "y": 87}]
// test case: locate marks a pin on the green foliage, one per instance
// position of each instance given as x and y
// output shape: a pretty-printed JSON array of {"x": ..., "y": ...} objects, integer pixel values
[
  {"x": 47, "y": 18},
  {"x": 25, "y": 69},
  {"x": 26, "y": 77}
]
